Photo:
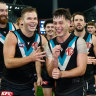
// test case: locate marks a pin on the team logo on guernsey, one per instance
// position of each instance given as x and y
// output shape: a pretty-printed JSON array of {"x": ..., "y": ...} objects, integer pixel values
[
  {"x": 88, "y": 45},
  {"x": 6, "y": 93},
  {"x": 35, "y": 45},
  {"x": 69, "y": 51},
  {"x": 21, "y": 44},
  {"x": 0, "y": 35}
]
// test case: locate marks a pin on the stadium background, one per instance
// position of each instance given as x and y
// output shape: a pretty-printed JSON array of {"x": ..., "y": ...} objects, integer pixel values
[{"x": 46, "y": 7}]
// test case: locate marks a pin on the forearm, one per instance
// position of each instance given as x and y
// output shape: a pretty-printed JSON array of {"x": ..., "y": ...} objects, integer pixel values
[
  {"x": 51, "y": 65},
  {"x": 38, "y": 69},
  {"x": 17, "y": 62},
  {"x": 72, "y": 73}
]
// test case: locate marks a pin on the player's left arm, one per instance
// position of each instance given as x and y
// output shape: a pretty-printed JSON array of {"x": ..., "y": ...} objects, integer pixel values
[
  {"x": 94, "y": 44},
  {"x": 81, "y": 63}
]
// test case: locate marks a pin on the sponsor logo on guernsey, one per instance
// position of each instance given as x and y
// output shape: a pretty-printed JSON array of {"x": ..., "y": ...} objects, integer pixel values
[
  {"x": 21, "y": 44},
  {"x": 35, "y": 45},
  {"x": 6, "y": 93},
  {"x": 69, "y": 51}
]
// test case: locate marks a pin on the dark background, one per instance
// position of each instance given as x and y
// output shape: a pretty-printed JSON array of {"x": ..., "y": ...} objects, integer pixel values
[{"x": 45, "y": 7}]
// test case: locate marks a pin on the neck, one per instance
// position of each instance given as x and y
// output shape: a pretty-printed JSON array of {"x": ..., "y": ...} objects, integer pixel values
[
  {"x": 49, "y": 37},
  {"x": 62, "y": 39},
  {"x": 80, "y": 34},
  {"x": 27, "y": 33},
  {"x": 3, "y": 25}
]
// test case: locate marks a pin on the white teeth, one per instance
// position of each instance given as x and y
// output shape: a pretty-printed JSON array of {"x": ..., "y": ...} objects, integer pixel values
[
  {"x": 60, "y": 29},
  {"x": 32, "y": 25}
]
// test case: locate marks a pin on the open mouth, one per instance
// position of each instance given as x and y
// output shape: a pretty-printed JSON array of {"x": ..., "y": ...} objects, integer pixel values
[{"x": 32, "y": 26}]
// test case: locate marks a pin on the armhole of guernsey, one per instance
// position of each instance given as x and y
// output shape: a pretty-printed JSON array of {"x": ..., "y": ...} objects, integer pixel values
[
  {"x": 14, "y": 32},
  {"x": 40, "y": 44}
]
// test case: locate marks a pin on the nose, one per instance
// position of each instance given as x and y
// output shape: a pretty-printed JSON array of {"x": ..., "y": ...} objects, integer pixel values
[
  {"x": 4, "y": 12},
  {"x": 58, "y": 25}
]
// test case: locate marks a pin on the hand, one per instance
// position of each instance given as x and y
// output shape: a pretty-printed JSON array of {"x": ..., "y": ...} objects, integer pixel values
[
  {"x": 91, "y": 60},
  {"x": 56, "y": 73},
  {"x": 37, "y": 55},
  {"x": 56, "y": 51},
  {"x": 39, "y": 81}
]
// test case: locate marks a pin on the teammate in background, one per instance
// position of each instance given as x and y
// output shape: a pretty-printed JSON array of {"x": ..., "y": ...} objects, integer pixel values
[
  {"x": 91, "y": 27},
  {"x": 69, "y": 57},
  {"x": 49, "y": 28},
  {"x": 18, "y": 23},
  {"x": 44, "y": 80},
  {"x": 79, "y": 24},
  {"x": 5, "y": 27},
  {"x": 71, "y": 28},
  {"x": 21, "y": 54}
]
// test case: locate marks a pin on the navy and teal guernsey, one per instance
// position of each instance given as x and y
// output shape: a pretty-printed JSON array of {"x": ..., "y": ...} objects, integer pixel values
[
  {"x": 67, "y": 61},
  {"x": 25, "y": 46},
  {"x": 45, "y": 77},
  {"x": 90, "y": 67},
  {"x": 3, "y": 33}
]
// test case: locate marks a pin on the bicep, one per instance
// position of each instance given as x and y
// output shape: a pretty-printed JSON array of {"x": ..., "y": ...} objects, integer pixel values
[
  {"x": 44, "y": 41},
  {"x": 94, "y": 44},
  {"x": 9, "y": 46},
  {"x": 82, "y": 54},
  {"x": 49, "y": 63},
  {"x": 82, "y": 60}
]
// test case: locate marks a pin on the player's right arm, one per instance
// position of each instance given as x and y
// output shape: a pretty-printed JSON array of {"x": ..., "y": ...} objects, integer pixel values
[{"x": 9, "y": 53}]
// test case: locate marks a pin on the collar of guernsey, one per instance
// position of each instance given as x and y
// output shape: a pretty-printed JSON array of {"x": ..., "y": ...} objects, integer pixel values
[
  {"x": 11, "y": 28},
  {"x": 63, "y": 61},
  {"x": 22, "y": 45}
]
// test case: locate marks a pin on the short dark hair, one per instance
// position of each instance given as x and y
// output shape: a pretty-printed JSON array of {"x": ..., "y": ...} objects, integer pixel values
[
  {"x": 62, "y": 12},
  {"x": 50, "y": 20},
  {"x": 28, "y": 9},
  {"x": 2, "y": 2},
  {"x": 91, "y": 23},
  {"x": 79, "y": 13}
]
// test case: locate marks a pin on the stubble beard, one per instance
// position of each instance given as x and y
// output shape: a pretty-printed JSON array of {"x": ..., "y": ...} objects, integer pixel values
[{"x": 79, "y": 30}]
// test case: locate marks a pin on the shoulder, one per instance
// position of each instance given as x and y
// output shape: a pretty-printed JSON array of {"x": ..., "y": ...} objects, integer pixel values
[
  {"x": 81, "y": 40},
  {"x": 81, "y": 45},
  {"x": 94, "y": 40},
  {"x": 11, "y": 37}
]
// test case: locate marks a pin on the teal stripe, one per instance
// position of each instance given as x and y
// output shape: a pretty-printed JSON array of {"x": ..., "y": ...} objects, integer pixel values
[
  {"x": 52, "y": 43},
  {"x": 62, "y": 60},
  {"x": 10, "y": 26},
  {"x": 88, "y": 38},
  {"x": 31, "y": 49},
  {"x": 3, "y": 37}
]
